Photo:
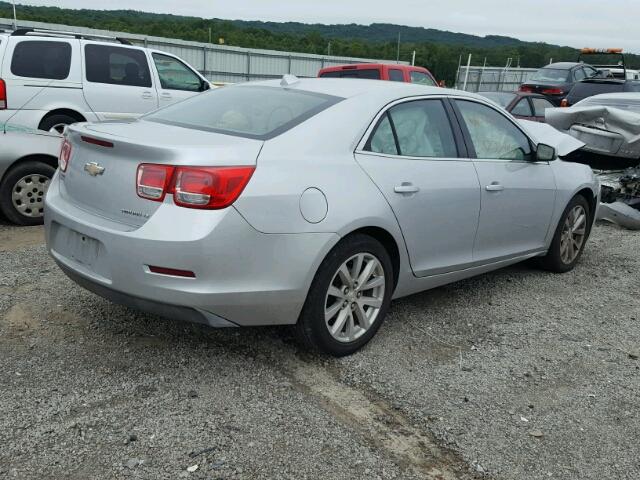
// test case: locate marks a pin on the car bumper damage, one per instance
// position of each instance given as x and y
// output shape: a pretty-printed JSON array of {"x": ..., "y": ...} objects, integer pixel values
[{"x": 621, "y": 198}]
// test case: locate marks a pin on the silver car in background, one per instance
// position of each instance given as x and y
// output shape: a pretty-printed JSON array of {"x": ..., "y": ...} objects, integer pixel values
[
  {"x": 28, "y": 160},
  {"x": 309, "y": 202}
]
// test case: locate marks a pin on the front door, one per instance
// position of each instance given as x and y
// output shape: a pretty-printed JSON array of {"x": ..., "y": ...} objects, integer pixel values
[
  {"x": 175, "y": 80},
  {"x": 518, "y": 192},
  {"x": 118, "y": 83},
  {"x": 413, "y": 158}
]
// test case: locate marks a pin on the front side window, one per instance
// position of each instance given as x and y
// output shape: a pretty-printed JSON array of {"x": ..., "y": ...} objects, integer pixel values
[
  {"x": 540, "y": 105},
  {"x": 396, "y": 75},
  {"x": 416, "y": 129},
  {"x": 522, "y": 108},
  {"x": 422, "y": 78},
  {"x": 42, "y": 59},
  {"x": 117, "y": 66},
  {"x": 175, "y": 75},
  {"x": 254, "y": 112},
  {"x": 579, "y": 74},
  {"x": 493, "y": 135},
  {"x": 590, "y": 72}
]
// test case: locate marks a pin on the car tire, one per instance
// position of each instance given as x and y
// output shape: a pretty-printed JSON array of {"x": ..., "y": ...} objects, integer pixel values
[
  {"x": 22, "y": 192},
  {"x": 570, "y": 237},
  {"x": 55, "y": 123},
  {"x": 359, "y": 312}
]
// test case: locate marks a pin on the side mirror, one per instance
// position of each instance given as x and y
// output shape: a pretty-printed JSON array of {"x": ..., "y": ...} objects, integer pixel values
[
  {"x": 545, "y": 153},
  {"x": 204, "y": 86}
]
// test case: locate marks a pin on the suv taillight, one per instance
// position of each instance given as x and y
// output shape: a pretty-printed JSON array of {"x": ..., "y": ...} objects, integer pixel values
[
  {"x": 3, "y": 95},
  {"x": 193, "y": 187},
  {"x": 65, "y": 155}
]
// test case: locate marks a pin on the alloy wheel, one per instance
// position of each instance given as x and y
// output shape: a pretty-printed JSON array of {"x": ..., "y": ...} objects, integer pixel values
[
  {"x": 354, "y": 297},
  {"x": 573, "y": 234},
  {"x": 28, "y": 194}
]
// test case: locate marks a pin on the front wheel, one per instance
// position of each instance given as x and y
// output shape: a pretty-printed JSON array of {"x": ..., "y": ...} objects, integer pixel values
[
  {"x": 349, "y": 297},
  {"x": 570, "y": 237}
]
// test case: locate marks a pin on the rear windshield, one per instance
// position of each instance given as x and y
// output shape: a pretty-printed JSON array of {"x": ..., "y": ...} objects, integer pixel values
[
  {"x": 256, "y": 112},
  {"x": 366, "y": 73},
  {"x": 551, "y": 75},
  {"x": 501, "y": 98}
]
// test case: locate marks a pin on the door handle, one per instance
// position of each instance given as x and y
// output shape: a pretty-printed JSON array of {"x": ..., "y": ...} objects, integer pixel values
[
  {"x": 166, "y": 95},
  {"x": 147, "y": 95},
  {"x": 406, "y": 187},
  {"x": 494, "y": 187}
]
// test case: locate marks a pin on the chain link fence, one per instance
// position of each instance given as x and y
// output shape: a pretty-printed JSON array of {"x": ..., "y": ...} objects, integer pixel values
[{"x": 492, "y": 79}]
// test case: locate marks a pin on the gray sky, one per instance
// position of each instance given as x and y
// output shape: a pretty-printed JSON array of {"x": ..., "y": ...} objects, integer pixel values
[{"x": 583, "y": 23}]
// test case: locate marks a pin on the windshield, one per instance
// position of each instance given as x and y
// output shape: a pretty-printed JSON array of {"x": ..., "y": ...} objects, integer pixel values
[
  {"x": 254, "y": 112},
  {"x": 501, "y": 98},
  {"x": 551, "y": 75}
]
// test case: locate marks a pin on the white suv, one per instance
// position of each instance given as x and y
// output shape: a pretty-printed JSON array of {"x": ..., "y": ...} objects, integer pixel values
[{"x": 52, "y": 79}]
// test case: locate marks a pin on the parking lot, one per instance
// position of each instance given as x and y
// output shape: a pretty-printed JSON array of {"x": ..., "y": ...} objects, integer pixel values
[{"x": 512, "y": 375}]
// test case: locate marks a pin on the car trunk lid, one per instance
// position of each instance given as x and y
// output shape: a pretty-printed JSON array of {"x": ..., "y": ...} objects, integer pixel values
[{"x": 101, "y": 176}]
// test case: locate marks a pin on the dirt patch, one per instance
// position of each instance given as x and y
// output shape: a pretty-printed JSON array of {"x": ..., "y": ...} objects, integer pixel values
[
  {"x": 15, "y": 238},
  {"x": 19, "y": 320}
]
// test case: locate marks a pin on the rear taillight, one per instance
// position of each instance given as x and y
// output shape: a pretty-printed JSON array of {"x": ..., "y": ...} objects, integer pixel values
[
  {"x": 65, "y": 155},
  {"x": 193, "y": 187},
  {"x": 153, "y": 181},
  {"x": 526, "y": 88},
  {"x": 3, "y": 95},
  {"x": 552, "y": 91}
]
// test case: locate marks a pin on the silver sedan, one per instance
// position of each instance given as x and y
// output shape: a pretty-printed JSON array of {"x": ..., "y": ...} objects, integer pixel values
[
  {"x": 28, "y": 160},
  {"x": 309, "y": 202}
]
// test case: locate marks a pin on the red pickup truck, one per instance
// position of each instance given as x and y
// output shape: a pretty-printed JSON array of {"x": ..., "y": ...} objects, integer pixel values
[{"x": 381, "y": 71}]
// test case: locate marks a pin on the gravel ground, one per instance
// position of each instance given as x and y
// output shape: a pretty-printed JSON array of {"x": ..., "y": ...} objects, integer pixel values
[{"x": 518, "y": 374}]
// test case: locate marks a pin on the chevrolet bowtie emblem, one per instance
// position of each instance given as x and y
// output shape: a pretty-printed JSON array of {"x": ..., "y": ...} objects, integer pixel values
[{"x": 94, "y": 169}]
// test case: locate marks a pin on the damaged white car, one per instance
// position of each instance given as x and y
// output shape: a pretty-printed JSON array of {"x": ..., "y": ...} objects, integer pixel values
[
  {"x": 620, "y": 202},
  {"x": 608, "y": 124}
]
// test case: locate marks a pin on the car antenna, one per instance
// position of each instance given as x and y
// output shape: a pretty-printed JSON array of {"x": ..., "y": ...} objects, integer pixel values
[{"x": 288, "y": 80}]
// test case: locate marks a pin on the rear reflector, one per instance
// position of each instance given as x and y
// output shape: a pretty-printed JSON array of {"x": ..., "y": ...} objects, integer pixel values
[
  {"x": 95, "y": 141},
  {"x": 208, "y": 188},
  {"x": 172, "y": 272},
  {"x": 153, "y": 181},
  {"x": 65, "y": 155},
  {"x": 3, "y": 95}
]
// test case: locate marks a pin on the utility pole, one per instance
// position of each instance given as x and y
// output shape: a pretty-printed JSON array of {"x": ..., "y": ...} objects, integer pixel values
[
  {"x": 398, "y": 55},
  {"x": 209, "y": 34},
  {"x": 15, "y": 19},
  {"x": 329, "y": 49},
  {"x": 413, "y": 58}
]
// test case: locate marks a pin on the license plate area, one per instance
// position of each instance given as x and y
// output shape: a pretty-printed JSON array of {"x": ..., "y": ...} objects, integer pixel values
[
  {"x": 86, "y": 252},
  {"x": 83, "y": 249}
]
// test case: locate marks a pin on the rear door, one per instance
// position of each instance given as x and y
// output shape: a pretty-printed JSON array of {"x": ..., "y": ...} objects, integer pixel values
[
  {"x": 174, "y": 79},
  {"x": 518, "y": 193},
  {"x": 415, "y": 158},
  {"x": 540, "y": 106},
  {"x": 117, "y": 81}
]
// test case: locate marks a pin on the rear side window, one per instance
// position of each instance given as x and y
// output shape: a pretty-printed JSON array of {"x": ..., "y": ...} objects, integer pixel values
[
  {"x": 396, "y": 75},
  {"x": 421, "y": 129},
  {"x": 41, "y": 59},
  {"x": 522, "y": 108},
  {"x": 254, "y": 112},
  {"x": 422, "y": 79},
  {"x": 366, "y": 73},
  {"x": 117, "y": 66},
  {"x": 579, "y": 74}
]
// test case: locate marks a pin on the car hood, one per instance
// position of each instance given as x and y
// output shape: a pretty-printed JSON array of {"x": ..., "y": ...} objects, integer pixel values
[{"x": 543, "y": 133}]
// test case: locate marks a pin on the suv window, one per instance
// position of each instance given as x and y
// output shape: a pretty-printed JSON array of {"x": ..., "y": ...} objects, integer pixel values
[
  {"x": 422, "y": 79},
  {"x": 493, "y": 135},
  {"x": 175, "y": 75},
  {"x": 367, "y": 73},
  {"x": 522, "y": 108},
  {"x": 396, "y": 75},
  {"x": 590, "y": 71},
  {"x": 421, "y": 129},
  {"x": 540, "y": 105},
  {"x": 254, "y": 112},
  {"x": 42, "y": 59},
  {"x": 117, "y": 65}
]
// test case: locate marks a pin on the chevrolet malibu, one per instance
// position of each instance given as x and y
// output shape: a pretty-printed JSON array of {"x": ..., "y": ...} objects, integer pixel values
[{"x": 309, "y": 202}]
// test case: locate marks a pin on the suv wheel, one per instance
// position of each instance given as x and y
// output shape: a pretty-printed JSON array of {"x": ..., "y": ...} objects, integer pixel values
[{"x": 57, "y": 123}]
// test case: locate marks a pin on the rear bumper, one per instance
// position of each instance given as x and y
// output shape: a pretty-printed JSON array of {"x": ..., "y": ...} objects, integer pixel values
[{"x": 243, "y": 277}]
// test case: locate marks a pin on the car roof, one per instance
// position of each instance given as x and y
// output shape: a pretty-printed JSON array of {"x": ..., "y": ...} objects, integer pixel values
[
  {"x": 353, "y": 87},
  {"x": 361, "y": 66},
  {"x": 563, "y": 65}
]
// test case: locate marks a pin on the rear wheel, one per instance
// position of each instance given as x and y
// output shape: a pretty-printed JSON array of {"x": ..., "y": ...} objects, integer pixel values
[
  {"x": 22, "y": 192},
  {"x": 349, "y": 297},
  {"x": 56, "y": 123},
  {"x": 570, "y": 237}
]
